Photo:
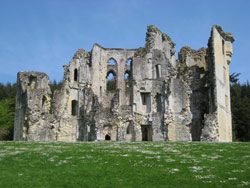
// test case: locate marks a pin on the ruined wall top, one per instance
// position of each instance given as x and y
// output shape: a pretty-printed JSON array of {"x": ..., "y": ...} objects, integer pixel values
[
  {"x": 227, "y": 36},
  {"x": 79, "y": 53},
  {"x": 195, "y": 54},
  {"x": 33, "y": 80},
  {"x": 154, "y": 37}
]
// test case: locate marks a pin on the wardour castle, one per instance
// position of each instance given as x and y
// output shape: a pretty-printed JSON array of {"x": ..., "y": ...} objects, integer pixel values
[{"x": 143, "y": 94}]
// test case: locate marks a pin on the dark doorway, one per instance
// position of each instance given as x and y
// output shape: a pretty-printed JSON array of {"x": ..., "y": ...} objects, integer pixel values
[
  {"x": 146, "y": 132},
  {"x": 107, "y": 137}
]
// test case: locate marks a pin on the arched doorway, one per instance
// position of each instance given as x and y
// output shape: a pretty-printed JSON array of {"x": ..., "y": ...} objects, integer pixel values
[{"x": 107, "y": 137}]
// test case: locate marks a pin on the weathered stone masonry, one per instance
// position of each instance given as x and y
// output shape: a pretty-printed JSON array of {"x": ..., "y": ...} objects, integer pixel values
[{"x": 156, "y": 97}]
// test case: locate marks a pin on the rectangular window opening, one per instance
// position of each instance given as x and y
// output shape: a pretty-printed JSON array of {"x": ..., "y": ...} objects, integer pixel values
[
  {"x": 223, "y": 47},
  {"x": 146, "y": 100},
  {"x": 158, "y": 103},
  {"x": 158, "y": 71}
]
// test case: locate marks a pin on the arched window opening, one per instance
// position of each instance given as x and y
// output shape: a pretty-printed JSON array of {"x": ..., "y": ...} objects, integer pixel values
[
  {"x": 75, "y": 75},
  {"x": 129, "y": 62},
  {"x": 111, "y": 81},
  {"x": 126, "y": 76},
  {"x": 107, "y": 137},
  {"x": 112, "y": 61},
  {"x": 126, "y": 79},
  {"x": 74, "y": 108}
]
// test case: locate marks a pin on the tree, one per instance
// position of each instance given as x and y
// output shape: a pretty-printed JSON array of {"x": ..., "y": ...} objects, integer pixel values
[
  {"x": 7, "y": 91},
  {"x": 111, "y": 85},
  {"x": 7, "y": 113},
  {"x": 55, "y": 86},
  {"x": 240, "y": 106},
  {"x": 234, "y": 78}
]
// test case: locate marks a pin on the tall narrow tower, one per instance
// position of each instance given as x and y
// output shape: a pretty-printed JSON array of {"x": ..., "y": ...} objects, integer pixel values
[{"x": 220, "y": 49}]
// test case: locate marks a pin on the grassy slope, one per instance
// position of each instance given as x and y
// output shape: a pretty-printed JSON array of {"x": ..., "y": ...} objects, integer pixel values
[{"x": 148, "y": 164}]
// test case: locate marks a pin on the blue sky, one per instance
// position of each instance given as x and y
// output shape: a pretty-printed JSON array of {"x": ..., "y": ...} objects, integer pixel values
[{"x": 43, "y": 35}]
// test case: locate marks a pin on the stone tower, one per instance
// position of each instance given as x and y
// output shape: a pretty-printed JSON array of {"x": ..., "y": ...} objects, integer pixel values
[
  {"x": 219, "y": 56},
  {"x": 143, "y": 94}
]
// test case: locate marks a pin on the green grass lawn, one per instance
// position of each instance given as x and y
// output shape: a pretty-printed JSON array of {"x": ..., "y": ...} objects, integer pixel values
[{"x": 113, "y": 164}]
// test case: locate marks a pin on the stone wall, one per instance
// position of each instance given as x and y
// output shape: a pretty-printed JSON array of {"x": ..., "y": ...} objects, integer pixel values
[
  {"x": 220, "y": 52},
  {"x": 33, "y": 120},
  {"x": 156, "y": 97}
]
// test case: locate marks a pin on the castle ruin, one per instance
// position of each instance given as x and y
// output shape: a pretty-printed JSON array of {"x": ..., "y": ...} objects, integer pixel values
[{"x": 143, "y": 94}]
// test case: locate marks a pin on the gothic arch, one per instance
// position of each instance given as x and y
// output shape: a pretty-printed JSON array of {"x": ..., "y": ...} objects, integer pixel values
[
  {"x": 112, "y": 61},
  {"x": 111, "y": 80}
]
